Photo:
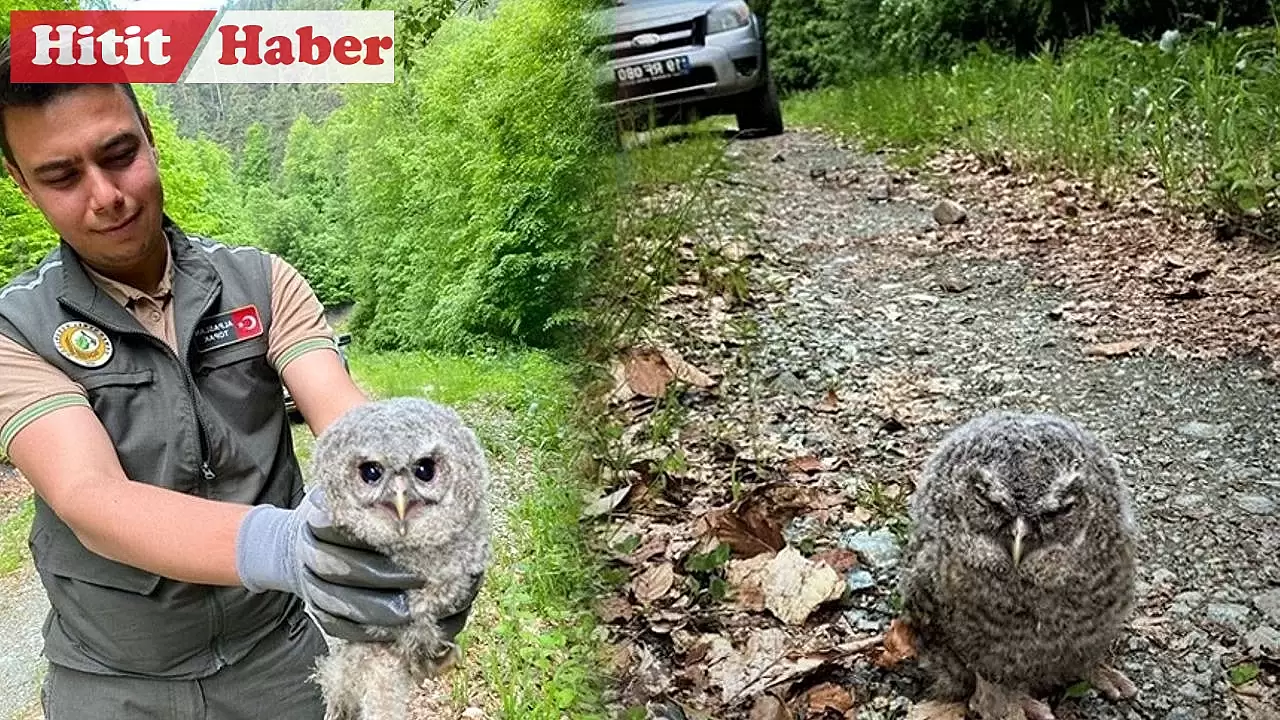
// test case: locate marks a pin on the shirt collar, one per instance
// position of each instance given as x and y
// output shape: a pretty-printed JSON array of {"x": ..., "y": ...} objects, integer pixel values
[{"x": 127, "y": 294}]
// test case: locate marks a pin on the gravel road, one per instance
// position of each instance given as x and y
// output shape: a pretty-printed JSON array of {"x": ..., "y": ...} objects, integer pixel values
[
  {"x": 21, "y": 615},
  {"x": 855, "y": 294}
]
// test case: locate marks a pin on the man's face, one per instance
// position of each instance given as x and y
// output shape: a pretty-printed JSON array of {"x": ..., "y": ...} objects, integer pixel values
[{"x": 86, "y": 161}]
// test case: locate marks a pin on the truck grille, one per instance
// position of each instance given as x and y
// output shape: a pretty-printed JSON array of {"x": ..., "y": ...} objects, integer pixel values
[{"x": 675, "y": 35}]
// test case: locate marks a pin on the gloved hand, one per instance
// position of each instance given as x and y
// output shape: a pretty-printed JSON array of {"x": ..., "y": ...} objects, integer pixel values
[{"x": 354, "y": 592}]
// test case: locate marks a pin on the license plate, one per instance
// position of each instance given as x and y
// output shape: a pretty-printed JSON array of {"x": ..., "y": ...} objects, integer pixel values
[{"x": 652, "y": 70}]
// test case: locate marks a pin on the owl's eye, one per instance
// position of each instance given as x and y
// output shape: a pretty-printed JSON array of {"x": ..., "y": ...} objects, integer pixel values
[
  {"x": 370, "y": 472},
  {"x": 424, "y": 469}
]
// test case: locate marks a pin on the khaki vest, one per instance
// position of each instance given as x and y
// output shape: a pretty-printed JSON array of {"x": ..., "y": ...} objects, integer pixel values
[{"x": 211, "y": 424}]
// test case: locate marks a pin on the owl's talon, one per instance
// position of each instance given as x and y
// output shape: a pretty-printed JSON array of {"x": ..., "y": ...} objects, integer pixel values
[
  {"x": 1035, "y": 709},
  {"x": 993, "y": 702},
  {"x": 1112, "y": 683}
]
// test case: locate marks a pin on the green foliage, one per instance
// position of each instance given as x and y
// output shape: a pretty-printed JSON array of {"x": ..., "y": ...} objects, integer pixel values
[
  {"x": 13, "y": 537},
  {"x": 1244, "y": 673},
  {"x": 819, "y": 43},
  {"x": 1202, "y": 117},
  {"x": 255, "y": 159},
  {"x": 482, "y": 178}
]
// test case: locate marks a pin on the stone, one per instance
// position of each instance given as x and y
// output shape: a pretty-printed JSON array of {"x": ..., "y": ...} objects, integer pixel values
[
  {"x": 1263, "y": 641},
  {"x": 859, "y": 580},
  {"x": 1256, "y": 504},
  {"x": 1268, "y": 603},
  {"x": 1232, "y": 616},
  {"x": 1203, "y": 430},
  {"x": 949, "y": 212},
  {"x": 879, "y": 189},
  {"x": 878, "y": 549}
]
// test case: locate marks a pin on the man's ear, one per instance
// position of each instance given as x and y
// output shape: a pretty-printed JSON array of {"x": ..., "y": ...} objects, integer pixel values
[{"x": 16, "y": 174}]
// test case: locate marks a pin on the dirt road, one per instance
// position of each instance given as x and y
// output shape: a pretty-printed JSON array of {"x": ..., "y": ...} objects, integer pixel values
[{"x": 871, "y": 329}]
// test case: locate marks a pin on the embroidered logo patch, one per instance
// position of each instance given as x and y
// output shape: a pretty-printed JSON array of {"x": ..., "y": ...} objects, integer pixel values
[
  {"x": 82, "y": 344},
  {"x": 228, "y": 328}
]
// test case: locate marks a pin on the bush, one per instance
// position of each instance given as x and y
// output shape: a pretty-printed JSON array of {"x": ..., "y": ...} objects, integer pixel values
[
  {"x": 829, "y": 42},
  {"x": 481, "y": 180}
]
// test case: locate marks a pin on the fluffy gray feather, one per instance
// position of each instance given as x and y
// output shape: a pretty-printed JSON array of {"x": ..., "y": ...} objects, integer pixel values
[
  {"x": 1019, "y": 573},
  {"x": 409, "y": 478}
]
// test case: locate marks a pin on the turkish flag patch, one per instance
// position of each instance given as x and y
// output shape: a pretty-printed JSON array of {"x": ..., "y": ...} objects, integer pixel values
[{"x": 228, "y": 328}]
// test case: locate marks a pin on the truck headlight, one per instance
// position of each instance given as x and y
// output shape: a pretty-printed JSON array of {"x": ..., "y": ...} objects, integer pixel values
[{"x": 728, "y": 16}]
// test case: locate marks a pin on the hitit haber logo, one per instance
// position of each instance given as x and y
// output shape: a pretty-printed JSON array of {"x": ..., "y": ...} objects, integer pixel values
[{"x": 242, "y": 46}]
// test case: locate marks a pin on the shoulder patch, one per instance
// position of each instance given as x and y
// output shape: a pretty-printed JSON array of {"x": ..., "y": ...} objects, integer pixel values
[{"x": 83, "y": 344}]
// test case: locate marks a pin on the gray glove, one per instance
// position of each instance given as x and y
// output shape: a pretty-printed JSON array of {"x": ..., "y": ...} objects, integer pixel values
[{"x": 354, "y": 592}]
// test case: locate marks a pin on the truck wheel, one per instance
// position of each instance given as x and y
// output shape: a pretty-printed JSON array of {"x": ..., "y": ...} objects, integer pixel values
[{"x": 760, "y": 112}]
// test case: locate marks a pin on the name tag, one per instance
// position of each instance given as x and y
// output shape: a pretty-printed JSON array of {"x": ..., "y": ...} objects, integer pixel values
[{"x": 228, "y": 328}]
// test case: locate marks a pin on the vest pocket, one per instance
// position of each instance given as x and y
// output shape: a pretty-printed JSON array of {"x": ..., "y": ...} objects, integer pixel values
[
  {"x": 59, "y": 552},
  {"x": 132, "y": 378}
]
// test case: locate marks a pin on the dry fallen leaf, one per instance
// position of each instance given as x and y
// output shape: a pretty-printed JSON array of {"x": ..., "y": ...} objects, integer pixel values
[
  {"x": 647, "y": 373},
  {"x": 608, "y": 503},
  {"x": 899, "y": 644},
  {"x": 653, "y": 583},
  {"x": 839, "y": 559},
  {"x": 759, "y": 666},
  {"x": 749, "y": 529},
  {"x": 612, "y": 609},
  {"x": 685, "y": 371},
  {"x": 807, "y": 464},
  {"x": 934, "y": 710},
  {"x": 828, "y": 696},
  {"x": 768, "y": 707},
  {"x": 1123, "y": 347},
  {"x": 829, "y": 403},
  {"x": 747, "y": 578},
  {"x": 794, "y": 586}
]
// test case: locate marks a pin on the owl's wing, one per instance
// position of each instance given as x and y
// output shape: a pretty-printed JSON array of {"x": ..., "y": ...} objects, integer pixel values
[{"x": 921, "y": 607}]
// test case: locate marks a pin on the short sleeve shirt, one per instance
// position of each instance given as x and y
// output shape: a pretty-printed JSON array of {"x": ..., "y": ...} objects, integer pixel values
[{"x": 30, "y": 387}]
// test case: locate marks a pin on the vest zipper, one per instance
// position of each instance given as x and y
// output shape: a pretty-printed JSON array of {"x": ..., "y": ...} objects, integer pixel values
[{"x": 206, "y": 471}]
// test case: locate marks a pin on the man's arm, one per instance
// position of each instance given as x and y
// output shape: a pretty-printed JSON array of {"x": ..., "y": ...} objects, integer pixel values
[
  {"x": 321, "y": 388},
  {"x": 130, "y": 522}
]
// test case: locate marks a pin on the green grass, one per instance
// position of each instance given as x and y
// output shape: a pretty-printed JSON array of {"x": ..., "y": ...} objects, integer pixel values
[
  {"x": 13, "y": 537},
  {"x": 1202, "y": 119}
]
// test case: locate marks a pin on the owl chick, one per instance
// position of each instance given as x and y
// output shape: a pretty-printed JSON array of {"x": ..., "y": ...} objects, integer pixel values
[
  {"x": 409, "y": 478},
  {"x": 1020, "y": 569}
]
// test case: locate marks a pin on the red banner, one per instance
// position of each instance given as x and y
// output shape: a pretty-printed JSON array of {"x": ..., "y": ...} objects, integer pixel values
[{"x": 104, "y": 46}]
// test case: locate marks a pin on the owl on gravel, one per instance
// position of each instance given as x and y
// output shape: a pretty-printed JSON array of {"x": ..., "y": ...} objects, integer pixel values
[
  {"x": 407, "y": 477},
  {"x": 1019, "y": 572}
]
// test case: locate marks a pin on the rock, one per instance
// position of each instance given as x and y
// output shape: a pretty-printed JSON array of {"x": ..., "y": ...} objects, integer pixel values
[
  {"x": 879, "y": 189},
  {"x": 778, "y": 157},
  {"x": 1256, "y": 504},
  {"x": 1263, "y": 641},
  {"x": 817, "y": 173},
  {"x": 878, "y": 549},
  {"x": 862, "y": 620},
  {"x": 474, "y": 713},
  {"x": 786, "y": 381},
  {"x": 1204, "y": 431},
  {"x": 1232, "y": 616},
  {"x": 949, "y": 212},
  {"x": 1164, "y": 578},
  {"x": 1268, "y": 603},
  {"x": 859, "y": 580},
  {"x": 1186, "y": 603}
]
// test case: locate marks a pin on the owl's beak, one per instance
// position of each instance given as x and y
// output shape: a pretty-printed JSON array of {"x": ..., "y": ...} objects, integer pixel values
[
  {"x": 402, "y": 505},
  {"x": 1019, "y": 534}
]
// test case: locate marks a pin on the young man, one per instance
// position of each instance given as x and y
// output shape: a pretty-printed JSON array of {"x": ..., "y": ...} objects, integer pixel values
[{"x": 140, "y": 394}]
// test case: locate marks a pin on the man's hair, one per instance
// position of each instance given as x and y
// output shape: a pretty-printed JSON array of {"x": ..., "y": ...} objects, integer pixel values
[{"x": 36, "y": 95}]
